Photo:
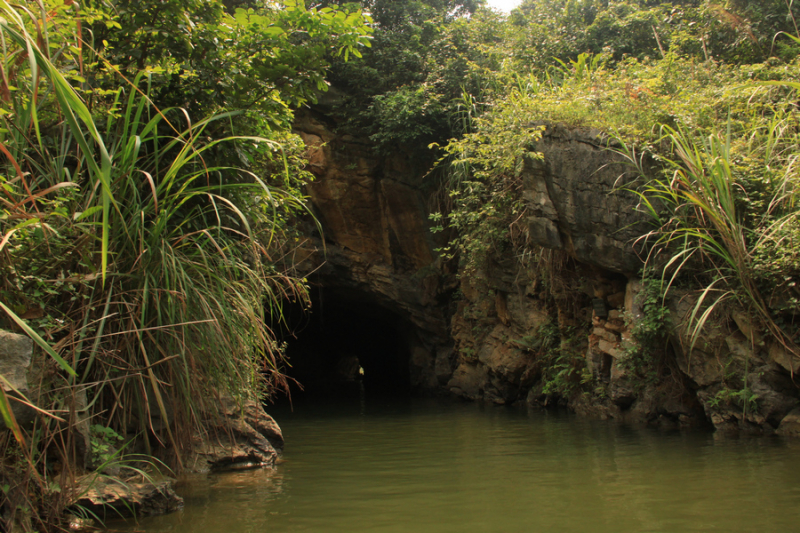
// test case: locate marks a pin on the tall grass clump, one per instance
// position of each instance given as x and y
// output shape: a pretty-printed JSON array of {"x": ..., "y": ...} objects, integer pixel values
[
  {"x": 144, "y": 268},
  {"x": 725, "y": 213}
]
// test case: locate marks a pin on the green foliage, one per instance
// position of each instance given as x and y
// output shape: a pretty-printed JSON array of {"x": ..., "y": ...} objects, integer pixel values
[
  {"x": 104, "y": 442},
  {"x": 736, "y": 32},
  {"x": 543, "y": 341},
  {"x": 406, "y": 116},
  {"x": 714, "y": 217},
  {"x": 648, "y": 57},
  {"x": 425, "y": 55},
  {"x": 185, "y": 255},
  {"x": 649, "y": 332},
  {"x": 743, "y": 397},
  {"x": 139, "y": 248},
  {"x": 125, "y": 228},
  {"x": 484, "y": 171},
  {"x": 564, "y": 370},
  {"x": 265, "y": 57}
]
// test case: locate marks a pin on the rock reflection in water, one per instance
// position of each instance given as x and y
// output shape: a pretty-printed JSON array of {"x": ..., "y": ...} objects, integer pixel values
[{"x": 231, "y": 501}]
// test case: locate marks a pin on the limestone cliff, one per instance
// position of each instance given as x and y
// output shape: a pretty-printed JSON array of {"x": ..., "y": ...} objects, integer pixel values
[
  {"x": 552, "y": 325},
  {"x": 377, "y": 247}
]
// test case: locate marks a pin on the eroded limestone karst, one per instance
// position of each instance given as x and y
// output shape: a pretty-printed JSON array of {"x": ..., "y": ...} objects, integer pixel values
[{"x": 564, "y": 310}]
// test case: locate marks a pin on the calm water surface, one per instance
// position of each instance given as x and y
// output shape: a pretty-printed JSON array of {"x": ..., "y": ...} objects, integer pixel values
[{"x": 430, "y": 466}]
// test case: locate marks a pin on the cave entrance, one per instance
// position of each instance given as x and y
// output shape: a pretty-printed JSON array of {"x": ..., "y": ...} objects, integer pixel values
[{"x": 347, "y": 344}]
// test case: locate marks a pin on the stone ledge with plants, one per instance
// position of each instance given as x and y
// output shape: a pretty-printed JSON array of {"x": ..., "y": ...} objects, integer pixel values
[{"x": 704, "y": 147}]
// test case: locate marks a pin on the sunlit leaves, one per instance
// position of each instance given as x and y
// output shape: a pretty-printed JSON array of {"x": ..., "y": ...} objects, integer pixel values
[
  {"x": 256, "y": 57},
  {"x": 484, "y": 170}
]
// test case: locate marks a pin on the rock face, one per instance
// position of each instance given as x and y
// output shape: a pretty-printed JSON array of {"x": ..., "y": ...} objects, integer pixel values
[
  {"x": 369, "y": 205},
  {"x": 377, "y": 247},
  {"x": 577, "y": 202},
  {"x": 759, "y": 402},
  {"x": 15, "y": 359},
  {"x": 238, "y": 437},
  {"x": 556, "y": 326}
]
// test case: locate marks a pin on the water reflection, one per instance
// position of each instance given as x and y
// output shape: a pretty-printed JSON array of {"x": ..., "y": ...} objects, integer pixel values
[{"x": 439, "y": 467}]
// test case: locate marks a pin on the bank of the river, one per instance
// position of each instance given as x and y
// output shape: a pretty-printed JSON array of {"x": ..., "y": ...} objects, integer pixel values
[
  {"x": 479, "y": 208},
  {"x": 444, "y": 466}
]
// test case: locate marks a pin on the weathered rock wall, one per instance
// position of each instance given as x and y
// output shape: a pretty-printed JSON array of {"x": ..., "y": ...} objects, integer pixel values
[
  {"x": 377, "y": 246},
  {"x": 550, "y": 326},
  {"x": 577, "y": 201}
]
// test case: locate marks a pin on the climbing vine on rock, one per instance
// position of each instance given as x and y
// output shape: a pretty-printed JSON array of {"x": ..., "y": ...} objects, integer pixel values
[{"x": 484, "y": 184}]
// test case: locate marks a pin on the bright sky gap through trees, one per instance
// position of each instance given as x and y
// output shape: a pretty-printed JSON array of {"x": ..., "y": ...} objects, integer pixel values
[{"x": 504, "y": 5}]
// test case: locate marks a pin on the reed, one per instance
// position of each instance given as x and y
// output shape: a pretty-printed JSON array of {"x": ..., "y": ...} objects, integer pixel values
[
  {"x": 144, "y": 268},
  {"x": 706, "y": 227}
]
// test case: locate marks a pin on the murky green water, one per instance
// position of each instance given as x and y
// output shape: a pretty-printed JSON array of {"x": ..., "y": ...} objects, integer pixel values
[{"x": 425, "y": 466}]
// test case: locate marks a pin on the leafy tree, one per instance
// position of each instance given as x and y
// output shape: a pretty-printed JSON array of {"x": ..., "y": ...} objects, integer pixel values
[
  {"x": 733, "y": 31},
  {"x": 139, "y": 240},
  {"x": 253, "y": 56},
  {"x": 408, "y": 87}
]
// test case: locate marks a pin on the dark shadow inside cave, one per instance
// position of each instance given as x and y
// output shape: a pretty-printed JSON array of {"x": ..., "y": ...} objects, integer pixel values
[{"x": 345, "y": 345}]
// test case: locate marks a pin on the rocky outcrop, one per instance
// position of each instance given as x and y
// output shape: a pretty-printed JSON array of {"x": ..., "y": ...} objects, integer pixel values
[
  {"x": 497, "y": 359},
  {"x": 237, "y": 436},
  {"x": 107, "y": 498},
  {"x": 553, "y": 326},
  {"x": 577, "y": 200},
  {"x": 744, "y": 383}
]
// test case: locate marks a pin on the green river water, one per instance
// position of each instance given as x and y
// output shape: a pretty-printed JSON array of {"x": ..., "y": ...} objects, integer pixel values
[{"x": 424, "y": 466}]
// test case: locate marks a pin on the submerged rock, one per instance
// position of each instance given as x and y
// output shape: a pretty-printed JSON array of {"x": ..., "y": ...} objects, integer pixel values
[
  {"x": 237, "y": 436},
  {"x": 790, "y": 425}
]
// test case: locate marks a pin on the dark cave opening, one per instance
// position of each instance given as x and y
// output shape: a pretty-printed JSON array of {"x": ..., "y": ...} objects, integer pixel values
[{"x": 345, "y": 345}]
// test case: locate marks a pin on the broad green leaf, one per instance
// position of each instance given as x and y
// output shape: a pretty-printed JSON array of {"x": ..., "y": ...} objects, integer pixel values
[{"x": 273, "y": 31}]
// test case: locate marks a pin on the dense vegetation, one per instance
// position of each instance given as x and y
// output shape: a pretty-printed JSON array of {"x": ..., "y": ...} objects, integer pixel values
[
  {"x": 149, "y": 181},
  {"x": 150, "y": 178}
]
